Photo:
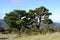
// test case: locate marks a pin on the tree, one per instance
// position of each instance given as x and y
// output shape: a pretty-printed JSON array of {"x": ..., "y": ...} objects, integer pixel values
[
  {"x": 14, "y": 19},
  {"x": 41, "y": 11},
  {"x": 21, "y": 18}
]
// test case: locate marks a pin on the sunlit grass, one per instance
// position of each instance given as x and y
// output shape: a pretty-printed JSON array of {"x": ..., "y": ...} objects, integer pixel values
[{"x": 52, "y": 36}]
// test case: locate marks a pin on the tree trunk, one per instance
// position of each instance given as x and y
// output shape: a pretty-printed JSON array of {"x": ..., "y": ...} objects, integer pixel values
[
  {"x": 37, "y": 26},
  {"x": 19, "y": 30},
  {"x": 38, "y": 23}
]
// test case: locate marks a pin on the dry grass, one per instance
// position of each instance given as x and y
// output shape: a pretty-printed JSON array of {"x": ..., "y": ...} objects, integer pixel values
[{"x": 52, "y": 36}]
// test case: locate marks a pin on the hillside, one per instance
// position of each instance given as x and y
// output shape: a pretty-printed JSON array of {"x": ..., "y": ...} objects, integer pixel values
[
  {"x": 55, "y": 24},
  {"x": 2, "y": 23}
]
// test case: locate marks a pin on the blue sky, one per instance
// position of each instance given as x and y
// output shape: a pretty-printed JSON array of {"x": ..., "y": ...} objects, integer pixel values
[{"x": 9, "y": 5}]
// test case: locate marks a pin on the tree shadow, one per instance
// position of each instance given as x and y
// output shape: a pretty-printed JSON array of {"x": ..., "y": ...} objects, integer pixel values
[{"x": 3, "y": 38}]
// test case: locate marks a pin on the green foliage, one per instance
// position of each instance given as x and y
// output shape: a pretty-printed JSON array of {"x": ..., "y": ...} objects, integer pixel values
[
  {"x": 41, "y": 10},
  {"x": 47, "y": 21},
  {"x": 20, "y": 20},
  {"x": 1, "y": 28}
]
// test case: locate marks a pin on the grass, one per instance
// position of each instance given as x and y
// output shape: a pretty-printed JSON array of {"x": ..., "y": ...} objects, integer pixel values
[{"x": 52, "y": 36}]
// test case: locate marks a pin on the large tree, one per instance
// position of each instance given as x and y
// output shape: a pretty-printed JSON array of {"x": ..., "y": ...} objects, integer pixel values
[
  {"x": 21, "y": 18},
  {"x": 15, "y": 19}
]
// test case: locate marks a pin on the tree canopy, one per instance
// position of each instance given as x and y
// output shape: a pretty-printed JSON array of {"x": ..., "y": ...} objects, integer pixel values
[{"x": 21, "y": 18}]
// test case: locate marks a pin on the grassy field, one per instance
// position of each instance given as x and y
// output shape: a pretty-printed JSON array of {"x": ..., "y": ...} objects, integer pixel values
[{"x": 52, "y": 36}]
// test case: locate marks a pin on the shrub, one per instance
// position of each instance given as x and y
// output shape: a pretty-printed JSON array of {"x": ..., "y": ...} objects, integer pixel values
[{"x": 57, "y": 28}]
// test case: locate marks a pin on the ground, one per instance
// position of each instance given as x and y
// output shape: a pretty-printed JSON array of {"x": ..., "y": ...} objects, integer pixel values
[{"x": 52, "y": 36}]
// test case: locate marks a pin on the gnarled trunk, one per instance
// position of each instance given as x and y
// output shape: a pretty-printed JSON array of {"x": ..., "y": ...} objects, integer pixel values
[{"x": 19, "y": 30}]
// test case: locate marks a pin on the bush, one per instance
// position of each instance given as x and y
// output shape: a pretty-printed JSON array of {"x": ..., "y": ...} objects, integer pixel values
[
  {"x": 57, "y": 28},
  {"x": 2, "y": 29}
]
